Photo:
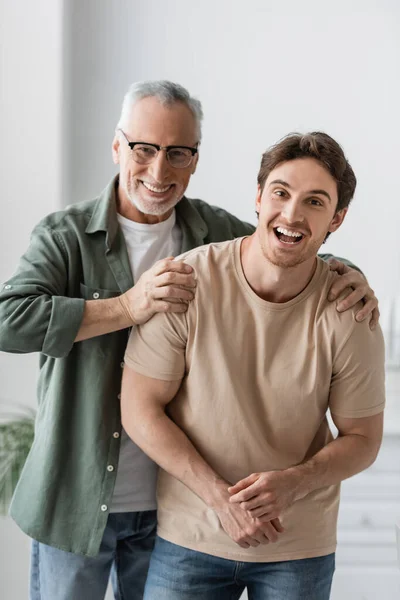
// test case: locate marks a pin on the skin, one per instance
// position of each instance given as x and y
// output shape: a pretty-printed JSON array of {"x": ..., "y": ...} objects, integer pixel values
[
  {"x": 277, "y": 272},
  {"x": 169, "y": 285}
]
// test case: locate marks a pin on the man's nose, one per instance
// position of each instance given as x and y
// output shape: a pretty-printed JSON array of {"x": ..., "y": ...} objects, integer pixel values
[
  {"x": 159, "y": 167},
  {"x": 293, "y": 211}
]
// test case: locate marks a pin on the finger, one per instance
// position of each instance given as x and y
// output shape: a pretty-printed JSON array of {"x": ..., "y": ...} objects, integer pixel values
[
  {"x": 174, "y": 278},
  {"x": 259, "y": 511},
  {"x": 352, "y": 279},
  {"x": 169, "y": 264},
  {"x": 276, "y": 523},
  {"x": 367, "y": 309},
  {"x": 270, "y": 516},
  {"x": 255, "y": 502},
  {"x": 243, "y": 483},
  {"x": 337, "y": 266},
  {"x": 260, "y": 536},
  {"x": 163, "y": 306},
  {"x": 243, "y": 544},
  {"x": 374, "y": 319},
  {"x": 351, "y": 299},
  {"x": 270, "y": 532},
  {"x": 171, "y": 293},
  {"x": 265, "y": 540},
  {"x": 252, "y": 541},
  {"x": 244, "y": 495}
]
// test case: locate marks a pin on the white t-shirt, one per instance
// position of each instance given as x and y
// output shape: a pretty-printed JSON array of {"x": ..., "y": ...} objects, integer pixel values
[{"x": 135, "y": 486}]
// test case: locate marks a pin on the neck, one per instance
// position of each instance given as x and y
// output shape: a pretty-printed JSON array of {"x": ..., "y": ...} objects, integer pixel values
[{"x": 269, "y": 281}]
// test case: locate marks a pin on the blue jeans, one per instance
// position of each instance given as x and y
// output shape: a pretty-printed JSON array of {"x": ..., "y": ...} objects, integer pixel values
[
  {"x": 125, "y": 552},
  {"x": 177, "y": 573}
]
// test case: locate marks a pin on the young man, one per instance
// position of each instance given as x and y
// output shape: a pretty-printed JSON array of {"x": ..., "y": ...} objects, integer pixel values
[{"x": 230, "y": 398}]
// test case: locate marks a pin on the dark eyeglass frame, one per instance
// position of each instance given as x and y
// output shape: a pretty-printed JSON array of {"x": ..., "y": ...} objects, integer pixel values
[{"x": 131, "y": 145}]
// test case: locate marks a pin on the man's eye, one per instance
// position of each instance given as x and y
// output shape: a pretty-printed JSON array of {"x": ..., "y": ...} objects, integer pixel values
[
  {"x": 279, "y": 193},
  {"x": 179, "y": 153},
  {"x": 316, "y": 202},
  {"x": 146, "y": 150}
]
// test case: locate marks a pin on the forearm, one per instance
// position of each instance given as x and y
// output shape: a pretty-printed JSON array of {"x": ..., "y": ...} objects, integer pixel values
[
  {"x": 161, "y": 439},
  {"x": 340, "y": 459},
  {"x": 101, "y": 317}
]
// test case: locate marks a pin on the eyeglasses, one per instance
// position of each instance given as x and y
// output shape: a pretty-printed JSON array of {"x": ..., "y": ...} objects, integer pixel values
[{"x": 178, "y": 157}]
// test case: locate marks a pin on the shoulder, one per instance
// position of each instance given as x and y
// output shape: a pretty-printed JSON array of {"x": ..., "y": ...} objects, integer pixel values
[
  {"x": 346, "y": 334},
  {"x": 333, "y": 319},
  {"x": 73, "y": 216},
  {"x": 209, "y": 253}
]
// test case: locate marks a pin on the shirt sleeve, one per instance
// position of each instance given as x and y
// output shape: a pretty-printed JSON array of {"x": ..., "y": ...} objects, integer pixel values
[
  {"x": 358, "y": 382},
  {"x": 157, "y": 349},
  {"x": 36, "y": 315}
]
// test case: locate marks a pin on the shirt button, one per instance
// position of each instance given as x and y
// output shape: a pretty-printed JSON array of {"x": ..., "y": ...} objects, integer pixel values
[
  {"x": 7, "y": 287},
  {"x": 103, "y": 507},
  {"x": 96, "y": 295},
  {"x": 122, "y": 365},
  {"x": 119, "y": 396},
  {"x": 110, "y": 468},
  {"x": 116, "y": 434}
]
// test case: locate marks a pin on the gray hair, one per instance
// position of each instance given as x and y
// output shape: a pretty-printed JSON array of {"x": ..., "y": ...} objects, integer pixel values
[{"x": 167, "y": 93}]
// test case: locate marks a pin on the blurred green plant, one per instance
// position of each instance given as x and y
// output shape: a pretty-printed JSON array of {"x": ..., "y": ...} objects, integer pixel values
[{"x": 16, "y": 437}]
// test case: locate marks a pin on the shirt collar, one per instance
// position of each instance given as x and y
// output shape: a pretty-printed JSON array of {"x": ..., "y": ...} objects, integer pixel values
[{"x": 104, "y": 216}]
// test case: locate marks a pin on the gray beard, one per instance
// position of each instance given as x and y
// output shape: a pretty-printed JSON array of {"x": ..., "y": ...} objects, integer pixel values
[{"x": 152, "y": 208}]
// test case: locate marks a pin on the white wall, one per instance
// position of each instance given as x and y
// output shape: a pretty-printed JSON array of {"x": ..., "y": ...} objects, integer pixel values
[
  {"x": 30, "y": 187},
  {"x": 30, "y": 142},
  {"x": 261, "y": 68}
]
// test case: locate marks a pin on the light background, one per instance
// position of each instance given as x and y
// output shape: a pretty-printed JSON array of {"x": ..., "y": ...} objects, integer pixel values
[{"x": 260, "y": 68}]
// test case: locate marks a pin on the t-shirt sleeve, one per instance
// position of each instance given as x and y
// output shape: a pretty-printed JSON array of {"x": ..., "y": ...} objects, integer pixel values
[
  {"x": 358, "y": 381},
  {"x": 157, "y": 349}
]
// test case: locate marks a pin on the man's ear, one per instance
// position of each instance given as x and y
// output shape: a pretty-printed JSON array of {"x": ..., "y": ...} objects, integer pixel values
[
  {"x": 115, "y": 149},
  {"x": 258, "y": 199},
  {"x": 337, "y": 220},
  {"x": 194, "y": 163}
]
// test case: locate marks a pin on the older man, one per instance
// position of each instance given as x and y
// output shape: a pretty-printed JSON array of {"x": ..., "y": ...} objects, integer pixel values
[
  {"x": 91, "y": 272},
  {"x": 231, "y": 398}
]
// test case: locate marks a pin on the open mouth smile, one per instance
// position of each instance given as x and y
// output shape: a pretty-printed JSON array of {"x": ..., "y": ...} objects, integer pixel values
[
  {"x": 287, "y": 236},
  {"x": 157, "y": 189}
]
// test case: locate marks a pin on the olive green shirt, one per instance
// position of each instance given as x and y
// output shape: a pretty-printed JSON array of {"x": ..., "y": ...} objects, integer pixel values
[{"x": 65, "y": 490}]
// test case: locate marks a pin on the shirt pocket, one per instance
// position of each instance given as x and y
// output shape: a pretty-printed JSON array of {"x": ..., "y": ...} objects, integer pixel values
[{"x": 96, "y": 293}]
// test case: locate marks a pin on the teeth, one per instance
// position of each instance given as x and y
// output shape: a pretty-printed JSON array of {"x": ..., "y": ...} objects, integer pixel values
[
  {"x": 152, "y": 188},
  {"x": 289, "y": 233}
]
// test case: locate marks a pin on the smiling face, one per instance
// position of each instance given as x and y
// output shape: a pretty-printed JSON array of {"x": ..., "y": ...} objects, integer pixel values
[
  {"x": 297, "y": 208},
  {"x": 154, "y": 189}
]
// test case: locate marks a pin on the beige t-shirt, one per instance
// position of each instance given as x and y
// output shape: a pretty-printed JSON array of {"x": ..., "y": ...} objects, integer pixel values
[{"x": 258, "y": 378}]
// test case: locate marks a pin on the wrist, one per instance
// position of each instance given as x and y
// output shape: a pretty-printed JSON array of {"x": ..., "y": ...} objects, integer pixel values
[
  {"x": 299, "y": 481},
  {"x": 123, "y": 312},
  {"x": 216, "y": 494}
]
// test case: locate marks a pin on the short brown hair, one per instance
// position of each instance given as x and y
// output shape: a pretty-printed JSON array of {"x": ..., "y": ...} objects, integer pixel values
[{"x": 316, "y": 145}]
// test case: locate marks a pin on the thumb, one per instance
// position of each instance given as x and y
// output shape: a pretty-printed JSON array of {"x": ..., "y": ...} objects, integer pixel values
[{"x": 243, "y": 484}]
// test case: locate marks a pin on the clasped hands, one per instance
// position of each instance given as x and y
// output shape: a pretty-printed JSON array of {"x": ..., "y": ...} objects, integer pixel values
[{"x": 254, "y": 504}]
